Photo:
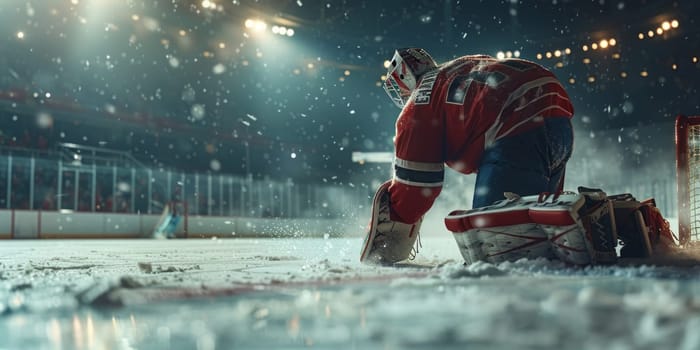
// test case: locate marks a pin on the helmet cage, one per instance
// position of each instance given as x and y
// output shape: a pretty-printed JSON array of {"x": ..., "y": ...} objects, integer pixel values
[{"x": 405, "y": 69}]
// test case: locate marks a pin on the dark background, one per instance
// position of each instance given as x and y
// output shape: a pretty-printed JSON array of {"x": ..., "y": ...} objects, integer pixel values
[{"x": 182, "y": 86}]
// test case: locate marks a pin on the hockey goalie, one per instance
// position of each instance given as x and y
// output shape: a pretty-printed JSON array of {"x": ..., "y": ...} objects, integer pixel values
[{"x": 509, "y": 122}]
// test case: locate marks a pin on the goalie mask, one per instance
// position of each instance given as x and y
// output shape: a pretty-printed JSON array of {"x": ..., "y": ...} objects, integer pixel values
[{"x": 405, "y": 70}]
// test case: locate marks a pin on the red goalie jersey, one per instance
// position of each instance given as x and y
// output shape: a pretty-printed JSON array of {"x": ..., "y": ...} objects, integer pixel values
[{"x": 455, "y": 112}]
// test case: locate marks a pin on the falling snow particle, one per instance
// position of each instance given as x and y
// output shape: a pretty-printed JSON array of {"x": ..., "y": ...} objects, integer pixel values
[
  {"x": 219, "y": 69},
  {"x": 198, "y": 111}
]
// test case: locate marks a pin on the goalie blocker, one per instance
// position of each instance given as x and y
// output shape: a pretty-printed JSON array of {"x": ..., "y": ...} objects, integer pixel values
[
  {"x": 387, "y": 241},
  {"x": 580, "y": 229}
]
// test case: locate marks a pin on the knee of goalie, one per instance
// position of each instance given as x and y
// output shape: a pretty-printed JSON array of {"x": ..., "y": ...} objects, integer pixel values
[
  {"x": 386, "y": 240},
  {"x": 580, "y": 226}
]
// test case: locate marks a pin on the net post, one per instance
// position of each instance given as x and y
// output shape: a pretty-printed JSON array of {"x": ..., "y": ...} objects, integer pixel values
[{"x": 683, "y": 181}]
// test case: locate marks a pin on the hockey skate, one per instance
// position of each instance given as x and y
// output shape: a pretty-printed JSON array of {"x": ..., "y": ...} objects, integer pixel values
[{"x": 387, "y": 241}]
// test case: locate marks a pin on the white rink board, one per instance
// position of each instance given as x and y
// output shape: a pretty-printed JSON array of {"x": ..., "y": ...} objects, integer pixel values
[{"x": 52, "y": 224}]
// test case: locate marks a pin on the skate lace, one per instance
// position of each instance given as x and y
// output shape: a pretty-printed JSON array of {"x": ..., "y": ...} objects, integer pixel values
[{"x": 416, "y": 248}]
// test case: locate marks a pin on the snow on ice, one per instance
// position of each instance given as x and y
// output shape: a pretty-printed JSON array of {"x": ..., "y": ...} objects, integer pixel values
[{"x": 294, "y": 293}]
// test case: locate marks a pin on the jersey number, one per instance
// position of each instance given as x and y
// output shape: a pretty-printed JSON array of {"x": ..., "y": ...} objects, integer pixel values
[{"x": 459, "y": 86}]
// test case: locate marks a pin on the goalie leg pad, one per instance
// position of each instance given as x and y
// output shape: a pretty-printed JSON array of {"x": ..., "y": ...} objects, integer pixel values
[
  {"x": 581, "y": 227},
  {"x": 497, "y": 233},
  {"x": 387, "y": 241}
]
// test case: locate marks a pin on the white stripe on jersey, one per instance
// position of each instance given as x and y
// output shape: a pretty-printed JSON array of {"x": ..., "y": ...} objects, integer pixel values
[
  {"x": 504, "y": 134},
  {"x": 539, "y": 98},
  {"x": 419, "y": 166},
  {"x": 490, "y": 134},
  {"x": 418, "y": 184}
]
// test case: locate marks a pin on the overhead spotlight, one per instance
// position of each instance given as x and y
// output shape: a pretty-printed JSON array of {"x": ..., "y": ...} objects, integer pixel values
[
  {"x": 659, "y": 31},
  {"x": 500, "y": 55},
  {"x": 594, "y": 46},
  {"x": 612, "y": 42},
  {"x": 276, "y": 29},
  {"x": 695, "y": 59},
  {"x": 640, "y": 36},
  {"x": 644, "y": 74},
  {"x": 539, "y": 56},
  {"x": 584, "y": 48},
  {"x": 603, "y": 44},
  {"x": 567, "y": 51},
  {"x": 290, "y": 32},
  {"x": 516, "y": 53},
  {"x": 509, "y": 54},
  {"x": 548, "y": 54},
  {"x": 666, "y": 25},
  {"x": 650, "y": 33},
  {"x": 674, "y": 24},
  {"x": 557, "y": 53},
  {"x": 623, "y": 74},
  {"x": 386, "y": 64},
  {"x": 255, "y": 24}
]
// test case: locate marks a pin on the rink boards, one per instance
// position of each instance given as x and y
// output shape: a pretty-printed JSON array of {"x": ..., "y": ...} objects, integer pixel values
[{"x": 31, "y": 224}]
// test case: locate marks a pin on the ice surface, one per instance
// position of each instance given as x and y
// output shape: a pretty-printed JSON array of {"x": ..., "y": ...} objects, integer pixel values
[{"x": 299, "y": 293}]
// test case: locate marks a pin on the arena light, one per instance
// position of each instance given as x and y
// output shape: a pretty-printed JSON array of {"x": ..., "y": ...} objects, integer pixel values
[
  {"x": 603, "y": 44},
  {"x": 282, "y": 30},
  {"x": 666, "y": 25},
  {"x": 674, "y": 24},
  {"x": 255, "y": 25},
  {"x": 208, "y": 4}
]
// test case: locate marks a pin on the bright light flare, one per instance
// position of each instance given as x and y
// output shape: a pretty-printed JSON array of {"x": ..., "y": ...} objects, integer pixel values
[
  {"x": 500, "y": 55},
  {"x": 666, "y": 25},
  {"x": 674, "y": 24},
  {"x": 208, "y": 4},
  {"x": 20, "y": 35},
  {"x": 255, "y": 24},
  {"x": 603, "y": 44}
]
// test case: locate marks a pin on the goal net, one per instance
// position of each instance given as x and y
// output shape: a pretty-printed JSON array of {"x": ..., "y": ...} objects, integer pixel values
[{"x": 688, "y": 172}]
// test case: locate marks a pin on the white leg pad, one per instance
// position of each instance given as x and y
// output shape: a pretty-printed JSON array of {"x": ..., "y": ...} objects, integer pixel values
[
  {"x": 581, "y": 227},
  {"x": 497, "y": 233}
]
